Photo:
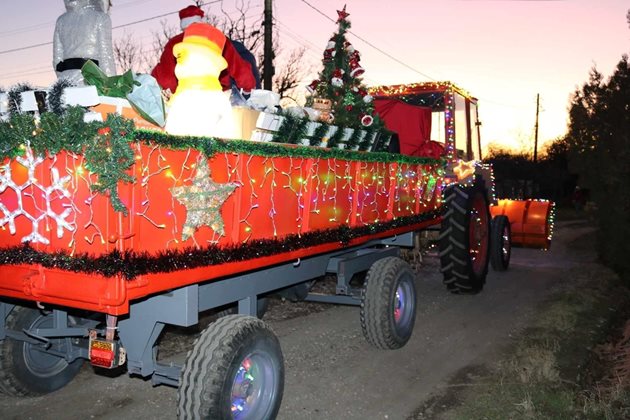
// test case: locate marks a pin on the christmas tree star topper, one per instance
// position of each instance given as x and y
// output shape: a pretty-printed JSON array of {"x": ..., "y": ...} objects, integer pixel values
[{"x": 342, "y": 14}]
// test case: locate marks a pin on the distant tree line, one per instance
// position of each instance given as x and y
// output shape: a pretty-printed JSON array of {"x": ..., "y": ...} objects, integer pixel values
[{"x": 517, "y": 176}]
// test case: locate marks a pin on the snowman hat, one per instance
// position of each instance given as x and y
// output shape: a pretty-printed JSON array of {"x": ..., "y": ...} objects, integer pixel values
[
  {"x": 203, "y": 38},
  {"x": 189, "y": 15}
]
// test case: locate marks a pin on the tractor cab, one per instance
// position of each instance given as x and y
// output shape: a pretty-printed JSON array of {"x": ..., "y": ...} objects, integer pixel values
[
  {"x": 441, "y": 120},
  {"x": 431, "y": 119}
]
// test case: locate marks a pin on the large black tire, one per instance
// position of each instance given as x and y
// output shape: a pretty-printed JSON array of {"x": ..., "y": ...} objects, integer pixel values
[
  {"x": 235, "y": 370},
  {"x": 464, "y": 240},
  {"x": 261, "y": 309},
  {"x": 388, "y": 303},
  {"x": 500, "y": 243},
  {"x": 24, "y": 369}
]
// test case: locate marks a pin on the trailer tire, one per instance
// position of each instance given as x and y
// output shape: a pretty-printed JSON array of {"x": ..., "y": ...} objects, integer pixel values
[
  {"x": 388, "y": 303},
  {"x": 26, "y": 371},
  {"x": 464, "y": 239},
  {"x": 232, "y": 349},
  {"x": 500, "y": 243}
]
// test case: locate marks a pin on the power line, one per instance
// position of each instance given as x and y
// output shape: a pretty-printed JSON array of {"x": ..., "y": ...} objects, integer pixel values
[{"x": 372, "y": 45}]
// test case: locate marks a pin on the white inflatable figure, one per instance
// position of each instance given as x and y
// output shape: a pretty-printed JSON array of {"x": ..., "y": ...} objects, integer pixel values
[
  {"x": 199, "y": 107},
  {"x": 83, "y": 33}
]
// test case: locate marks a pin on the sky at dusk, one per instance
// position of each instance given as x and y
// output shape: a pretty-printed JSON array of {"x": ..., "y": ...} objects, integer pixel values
[{"x": 503, "y": 52}]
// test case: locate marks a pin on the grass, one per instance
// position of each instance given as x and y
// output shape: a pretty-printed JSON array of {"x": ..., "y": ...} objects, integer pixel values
[{"x": 551, "y": 370}]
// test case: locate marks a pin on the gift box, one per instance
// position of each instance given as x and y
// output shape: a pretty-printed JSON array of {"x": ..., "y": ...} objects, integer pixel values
[{"x": 121, "y": 106}]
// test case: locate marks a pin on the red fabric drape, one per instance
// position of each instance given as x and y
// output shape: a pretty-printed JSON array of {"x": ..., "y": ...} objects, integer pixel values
[{"x": 412, "y": 124}]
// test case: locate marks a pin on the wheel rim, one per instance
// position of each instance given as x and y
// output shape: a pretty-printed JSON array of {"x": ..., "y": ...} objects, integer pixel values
[
  {"x": 506, "y": 246},
  {"x": 403, "y": 305},
  {"x": 40, "y": 363},
  {"x": 478, "y": 234},
  {"x": 254, "y": 387}
]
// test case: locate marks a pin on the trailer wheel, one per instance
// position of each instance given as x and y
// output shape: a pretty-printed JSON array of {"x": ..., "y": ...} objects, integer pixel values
[
  {"x": 234, "y": 371},
  {"x": 464, "y": 238},
  {"x": 388, "y": 303},
  {"x": 27, "y": 370},
  {"x": 500, "y": 243}
]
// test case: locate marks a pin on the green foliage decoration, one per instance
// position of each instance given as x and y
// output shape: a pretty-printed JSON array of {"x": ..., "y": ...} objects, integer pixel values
[
  {"x": 16, "y": 133},
  {"x": 335, "y": 139},
  {"x": 106, "y": 146},
  {"x": 15, "y": 98},
  {"x": 320, "y": 131},
  {"x": 109, "y": 155},
  {"x": 55, "y": 96},
  {"x": 291, "y": 130},
  {"x": 354, "y": 139},
  {"x": 211, "y": 146}
]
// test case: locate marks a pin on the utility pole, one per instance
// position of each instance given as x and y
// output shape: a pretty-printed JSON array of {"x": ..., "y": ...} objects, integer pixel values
[
  {"x": 536, "y": 128},
  {"x": 268, "y": 70}
]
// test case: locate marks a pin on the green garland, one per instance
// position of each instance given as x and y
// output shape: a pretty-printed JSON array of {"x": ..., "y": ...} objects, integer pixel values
[
  {"x": 292, "y": 130},
  {"x": 211, "y": 146},
  {"x": 106, "y": 146},
  {"x": 353, "y": 141},
  {"x": 108, "y": 154},
  {"x": 335, "y": 139},
  {"x": 15, "y": 97},
  {"x": 55, "y": 96},
  {"x": 366, "y": 142},
  {"x": 320, "y": 132}
]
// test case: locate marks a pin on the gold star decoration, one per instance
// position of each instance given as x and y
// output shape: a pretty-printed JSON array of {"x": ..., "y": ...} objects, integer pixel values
[
  {"x": 203, "y": 201},
  {"x": 464, "y": 170}
]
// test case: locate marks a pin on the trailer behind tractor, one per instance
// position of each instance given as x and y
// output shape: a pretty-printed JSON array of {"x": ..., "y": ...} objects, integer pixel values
[{"x": 80, "y": 281}]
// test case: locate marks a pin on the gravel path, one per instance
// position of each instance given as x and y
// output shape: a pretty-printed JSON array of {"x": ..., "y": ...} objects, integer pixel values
[{"x": 331, "y": 371}]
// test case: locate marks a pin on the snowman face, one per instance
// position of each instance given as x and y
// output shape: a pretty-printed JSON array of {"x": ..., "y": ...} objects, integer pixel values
[{"x": 194, "y": 62}]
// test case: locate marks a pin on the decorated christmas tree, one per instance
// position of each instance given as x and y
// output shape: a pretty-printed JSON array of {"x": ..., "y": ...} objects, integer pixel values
[{"x": 340, "y": 84}]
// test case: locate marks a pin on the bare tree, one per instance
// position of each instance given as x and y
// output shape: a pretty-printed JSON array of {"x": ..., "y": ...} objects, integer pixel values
[
  {"x": 289, "y": 76},
  {"x": 160, "y": 38},
  {"x": 243, "y": 25},
  {"x": 129, "y": 55}
]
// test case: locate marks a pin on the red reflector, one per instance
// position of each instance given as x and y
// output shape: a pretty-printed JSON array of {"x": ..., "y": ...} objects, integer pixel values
[{"x": 102, "y": 353}]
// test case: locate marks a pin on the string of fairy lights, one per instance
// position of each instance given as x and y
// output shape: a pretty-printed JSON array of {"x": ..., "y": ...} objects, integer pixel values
[{"x": 284, "y": 195}]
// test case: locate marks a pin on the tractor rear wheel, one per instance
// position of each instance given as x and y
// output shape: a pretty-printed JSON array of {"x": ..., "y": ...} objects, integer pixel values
[{"x": 464, "y": 240}]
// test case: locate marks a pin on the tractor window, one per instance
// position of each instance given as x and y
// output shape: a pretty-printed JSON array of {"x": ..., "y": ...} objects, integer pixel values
[
  {"x": 474, "y": 126},
  {"x": 461, "y": 125},
  {"x": 438, "y": 127}
]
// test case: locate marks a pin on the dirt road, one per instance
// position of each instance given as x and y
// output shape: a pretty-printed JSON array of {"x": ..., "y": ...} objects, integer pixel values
[{"x": 333, "y": 373}]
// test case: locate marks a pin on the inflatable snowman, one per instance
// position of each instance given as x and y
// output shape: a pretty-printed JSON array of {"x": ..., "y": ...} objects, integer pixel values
[{"x": 199, "y": 107}]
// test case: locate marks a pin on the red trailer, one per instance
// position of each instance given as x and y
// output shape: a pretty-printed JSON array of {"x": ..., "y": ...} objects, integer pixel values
[{"x": 205, "y": 223}]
